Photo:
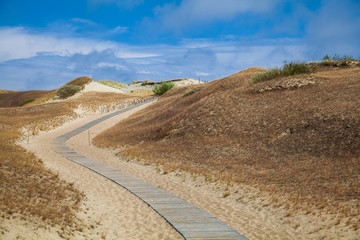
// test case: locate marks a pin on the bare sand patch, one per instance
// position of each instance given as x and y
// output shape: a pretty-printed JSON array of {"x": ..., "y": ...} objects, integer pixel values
[{"x": 98, "y": 87}]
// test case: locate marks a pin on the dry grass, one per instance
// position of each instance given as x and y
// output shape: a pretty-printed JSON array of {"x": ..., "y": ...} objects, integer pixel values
[
  {"x": 80, "y": 82},
  {"x": 26, "y": 186},
  {"x": 18, "y": 99},
  {"x": 298, "y": 142},
  {"x": 113, "y": 84}
]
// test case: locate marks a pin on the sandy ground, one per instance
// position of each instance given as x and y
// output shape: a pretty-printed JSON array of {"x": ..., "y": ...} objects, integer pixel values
[
  {"x": 98, "y": 87},
  {"x": 109, "y": 211},
  {"x": 117, "y": 214},
  {"x": 137, "y": 86}
]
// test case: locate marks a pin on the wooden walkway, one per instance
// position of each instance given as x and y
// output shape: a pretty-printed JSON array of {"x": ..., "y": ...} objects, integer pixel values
[{"x": 190, "y": 221}]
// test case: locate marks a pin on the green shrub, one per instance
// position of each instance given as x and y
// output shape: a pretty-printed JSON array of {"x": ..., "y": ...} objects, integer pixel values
[
  {"x": 293, "y": 68},
  {"x": 160, "y": 89},
  {"x": 67, "y": 90},
  {"x": 289, "y": 68}
]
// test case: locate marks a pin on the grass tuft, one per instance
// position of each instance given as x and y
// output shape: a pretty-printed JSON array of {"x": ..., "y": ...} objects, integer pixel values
[
  {"x": 289, "y": 68},
  {"x": 337, "y": 57}
]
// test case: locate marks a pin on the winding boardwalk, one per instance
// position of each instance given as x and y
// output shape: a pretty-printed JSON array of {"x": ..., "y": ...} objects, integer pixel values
[{"x": 190, "y": 221}]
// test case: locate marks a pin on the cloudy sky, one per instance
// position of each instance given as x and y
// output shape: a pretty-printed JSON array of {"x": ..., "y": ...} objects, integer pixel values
[{"x": 44, "y": 44}]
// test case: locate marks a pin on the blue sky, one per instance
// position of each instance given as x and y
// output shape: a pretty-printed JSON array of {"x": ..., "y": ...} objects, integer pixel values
[{"x": 44, "y": 44}]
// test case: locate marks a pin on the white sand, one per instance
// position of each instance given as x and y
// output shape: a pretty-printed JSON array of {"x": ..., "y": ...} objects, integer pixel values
[{"x": 98, "y": 87}]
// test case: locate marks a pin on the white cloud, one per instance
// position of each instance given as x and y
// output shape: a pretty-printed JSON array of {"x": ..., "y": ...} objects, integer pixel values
[
  {"x": 111, "y": 65},
  {"x": 201, "y": 12},
  {"x": 19, "y": 43},
  {"x": 119, "y": 29},
  {"x": 38, "y": 65},
  {"x": 120, "y": 3}
]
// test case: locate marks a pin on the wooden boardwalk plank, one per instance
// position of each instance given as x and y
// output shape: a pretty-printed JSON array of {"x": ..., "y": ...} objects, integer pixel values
[{"x": 191, "y": 222}]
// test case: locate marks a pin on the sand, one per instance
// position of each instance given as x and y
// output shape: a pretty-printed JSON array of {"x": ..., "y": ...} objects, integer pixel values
[{"x": 98, "y": 87}]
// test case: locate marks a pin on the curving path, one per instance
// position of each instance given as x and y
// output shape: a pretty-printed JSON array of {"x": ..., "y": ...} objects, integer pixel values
[{"x": 190, "y": 221}]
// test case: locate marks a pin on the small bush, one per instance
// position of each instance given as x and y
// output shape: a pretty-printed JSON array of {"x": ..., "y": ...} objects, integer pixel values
[
  {"x": 67, "y": 90},
  {"x": 289, "y": 68},
  {"x": 293, "y": 68},
  {"x": 160, "y": 89}
]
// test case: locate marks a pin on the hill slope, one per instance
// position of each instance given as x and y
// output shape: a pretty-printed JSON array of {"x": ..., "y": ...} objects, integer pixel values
[{"x": 296, "y": 138}]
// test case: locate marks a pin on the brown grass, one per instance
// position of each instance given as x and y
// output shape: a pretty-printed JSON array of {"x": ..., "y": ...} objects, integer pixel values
[
  {"x": 26, "y": 186},
  {"x": 80, "y": 82},
  {"x": 298, "y": 142},
  {"x": 18, "y": 99}
]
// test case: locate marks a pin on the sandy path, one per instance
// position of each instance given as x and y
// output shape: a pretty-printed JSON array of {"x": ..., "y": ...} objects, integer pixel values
[{"x": 109, "y": 211}]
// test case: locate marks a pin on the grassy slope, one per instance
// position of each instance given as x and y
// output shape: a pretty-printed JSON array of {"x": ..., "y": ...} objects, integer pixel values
[
  {"x": 18, "y": 99},
  {"x": 301, "y": 144}
]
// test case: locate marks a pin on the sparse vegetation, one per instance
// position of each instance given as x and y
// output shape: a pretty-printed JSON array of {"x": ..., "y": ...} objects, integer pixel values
[
  {"x": 113, "y": 84},
  {"x": 26, "y": 187},
  {"x": 337, "y": 57},
  {"x": 67, "y": 90},
  {"x": 289, "y": 68},
  {"x": 161, "y": 88},
  {"x": 135, "y": 82}
]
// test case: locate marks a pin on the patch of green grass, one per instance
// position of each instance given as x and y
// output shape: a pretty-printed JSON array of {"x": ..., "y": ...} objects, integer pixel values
[
  {"x": 113, "y": 84},
  {"x": 289, "y": 68}
]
